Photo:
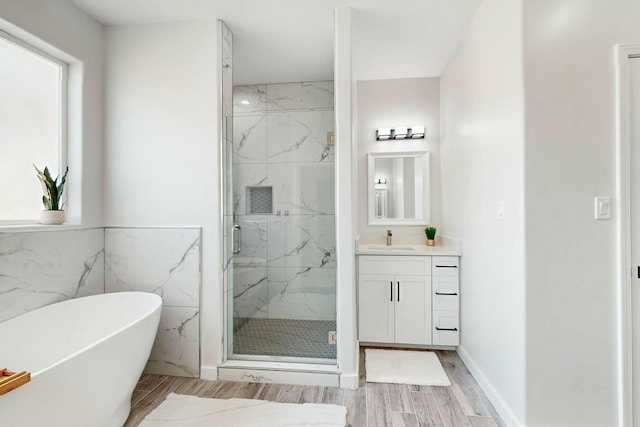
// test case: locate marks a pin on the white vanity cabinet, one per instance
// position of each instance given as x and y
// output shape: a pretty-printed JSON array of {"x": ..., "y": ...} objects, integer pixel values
[
  {"x": 411, "y": 300},
  {"x": 394, "y": 299}
]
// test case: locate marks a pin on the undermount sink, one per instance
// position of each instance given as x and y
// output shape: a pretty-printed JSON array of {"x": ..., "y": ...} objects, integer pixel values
[{"x": 390, "y": 248}]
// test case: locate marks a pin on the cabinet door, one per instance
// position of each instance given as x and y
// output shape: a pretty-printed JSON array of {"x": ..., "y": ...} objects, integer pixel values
[
  {"x": 413, "y": 309},
  {"x": 375, "y": 308}
]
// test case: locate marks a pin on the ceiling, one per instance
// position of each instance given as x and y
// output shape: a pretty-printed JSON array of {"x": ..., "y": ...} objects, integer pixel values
[{"x": 279, "y": 41}]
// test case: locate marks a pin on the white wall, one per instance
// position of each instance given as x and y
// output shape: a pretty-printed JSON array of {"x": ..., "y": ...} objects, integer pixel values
[
  {"x": 162, "y": 119},
  {"x": 62, "y": 30},
  {"x": 570, "y": 158},
  {"x": 390, "y": 103},
  {"x": 348, "y": 360},
  {"x": 482, "y": 147}
]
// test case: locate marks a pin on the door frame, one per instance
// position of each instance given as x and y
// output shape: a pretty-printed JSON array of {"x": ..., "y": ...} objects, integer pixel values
[{"x": 623, "y": 53}]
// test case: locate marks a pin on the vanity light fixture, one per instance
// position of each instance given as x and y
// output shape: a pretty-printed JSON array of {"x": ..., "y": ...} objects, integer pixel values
[
  {"x": 400, "y": 132},
  {"x": 382, "y": 134},
  {"x": 416, "y": 132},
  {"x": 380, "y": 181}
]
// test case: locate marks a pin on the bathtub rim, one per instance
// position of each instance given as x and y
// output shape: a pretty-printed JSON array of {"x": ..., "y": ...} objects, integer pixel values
[{"x": 138, "y": 319}]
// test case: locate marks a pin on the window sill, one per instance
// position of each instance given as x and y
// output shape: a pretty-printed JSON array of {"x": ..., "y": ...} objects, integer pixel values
[{"x": 33, "y": 227}]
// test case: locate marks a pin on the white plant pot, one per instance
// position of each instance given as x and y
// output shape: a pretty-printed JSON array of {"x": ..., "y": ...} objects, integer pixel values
[{"x": 51, "y": 217}]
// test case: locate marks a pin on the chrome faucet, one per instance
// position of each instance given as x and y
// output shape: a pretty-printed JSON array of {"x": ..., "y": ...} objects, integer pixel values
[{"x": 389, "y": 237}]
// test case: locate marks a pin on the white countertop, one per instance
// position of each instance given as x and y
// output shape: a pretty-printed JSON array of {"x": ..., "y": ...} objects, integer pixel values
[{"x": 443, "y": 247}]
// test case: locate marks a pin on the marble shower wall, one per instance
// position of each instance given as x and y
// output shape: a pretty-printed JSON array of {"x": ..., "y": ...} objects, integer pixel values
[
  {"x": 38, "y": 268},
  {"x": 165, "y": 261},
  {"x": 286, "y": 265}
]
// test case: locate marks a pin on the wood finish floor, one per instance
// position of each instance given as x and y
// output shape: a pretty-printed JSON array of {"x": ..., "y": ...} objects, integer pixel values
[{"x": 372, "y": 405}]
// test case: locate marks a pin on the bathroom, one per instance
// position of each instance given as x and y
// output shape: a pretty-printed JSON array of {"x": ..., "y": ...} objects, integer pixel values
[{"x": 134, "y": 126}]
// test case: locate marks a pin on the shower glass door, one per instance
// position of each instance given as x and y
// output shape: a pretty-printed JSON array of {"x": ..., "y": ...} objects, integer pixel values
[{"x": 280, "y": 206}]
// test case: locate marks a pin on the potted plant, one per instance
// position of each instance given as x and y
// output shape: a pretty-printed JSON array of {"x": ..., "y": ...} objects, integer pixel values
[
  {"x": 52, "y": 197},
  {"x": 431, "y": 235}
]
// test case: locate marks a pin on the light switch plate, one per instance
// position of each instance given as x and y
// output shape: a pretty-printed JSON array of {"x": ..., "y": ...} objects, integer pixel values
[
  {"x": 603, "y": 207},
  {"x": 501, "y": 209}
]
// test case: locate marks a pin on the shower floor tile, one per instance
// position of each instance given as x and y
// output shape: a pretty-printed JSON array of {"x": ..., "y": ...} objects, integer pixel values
[{"x": 283, "y": 337}]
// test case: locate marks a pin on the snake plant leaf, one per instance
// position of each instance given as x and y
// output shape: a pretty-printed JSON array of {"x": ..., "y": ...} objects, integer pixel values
[
  {"x": 47, "y": 174},
  {"x": 61, "y": 187},
  {"x": 46, "y": 199},
  {"x": 49, "y": 182},
  {"x": 46, "y": 202},
  {"x": 43, "y": 182}
]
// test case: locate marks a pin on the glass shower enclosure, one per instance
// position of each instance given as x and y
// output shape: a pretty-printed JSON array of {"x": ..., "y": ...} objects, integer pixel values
[
  {"x": 279, "y": 222},
  {"x": 282, "y": 228}
]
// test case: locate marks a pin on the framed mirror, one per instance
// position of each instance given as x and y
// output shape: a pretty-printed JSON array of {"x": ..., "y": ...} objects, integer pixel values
[{"x": 399, "y": 188}]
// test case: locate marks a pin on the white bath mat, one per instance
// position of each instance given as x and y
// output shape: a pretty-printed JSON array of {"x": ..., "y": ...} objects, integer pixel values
[
  {"x": 404, "y": 367},
  {"x": 190, "y": 411}
]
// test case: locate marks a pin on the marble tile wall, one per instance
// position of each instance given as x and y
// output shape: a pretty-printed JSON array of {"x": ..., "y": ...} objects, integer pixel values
[
  {"x": 44, "y": 267},
  {"x": 227, "y": 70},
  {"x": 227, "y": 134},
  {"x": 286, "y": 264},
  {"x": 165, "y": 261}
]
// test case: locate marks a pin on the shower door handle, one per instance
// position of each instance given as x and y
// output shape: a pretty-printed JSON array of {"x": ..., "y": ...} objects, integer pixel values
[{"x": 237, "y": 239}]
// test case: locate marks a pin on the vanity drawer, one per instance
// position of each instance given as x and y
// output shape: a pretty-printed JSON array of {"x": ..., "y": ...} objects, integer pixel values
[
  {"x": 446, "y": 328},
  {"x": 393, "y": 264},
  {"x": 446, "y": 294},
  {"x": 445, "y": 265}
]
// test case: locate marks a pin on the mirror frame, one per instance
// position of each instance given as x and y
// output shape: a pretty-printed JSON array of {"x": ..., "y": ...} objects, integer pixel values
[{"x": 424, "y": 156}]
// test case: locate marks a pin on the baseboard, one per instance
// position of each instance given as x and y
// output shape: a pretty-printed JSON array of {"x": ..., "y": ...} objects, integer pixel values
[
  {"x": 209, "y": 373},
  {"x": 496, "y": 399},
  {"x": 350, "y": 381}
]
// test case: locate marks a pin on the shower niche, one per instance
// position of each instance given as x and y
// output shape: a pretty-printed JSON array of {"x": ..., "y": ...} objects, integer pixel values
[{"x": 259, "y": 200}]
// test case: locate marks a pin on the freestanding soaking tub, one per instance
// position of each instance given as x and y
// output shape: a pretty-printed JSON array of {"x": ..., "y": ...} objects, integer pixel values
[{"x": 85, "y": 356}]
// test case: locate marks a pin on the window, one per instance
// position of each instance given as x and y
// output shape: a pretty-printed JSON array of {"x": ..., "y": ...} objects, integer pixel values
[{"x": 32, "y": 126}]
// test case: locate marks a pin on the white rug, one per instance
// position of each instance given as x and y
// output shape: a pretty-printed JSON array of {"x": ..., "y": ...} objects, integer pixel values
[
  {"x": 190, "y": 411},
  {"x": 404, "y": 367}
]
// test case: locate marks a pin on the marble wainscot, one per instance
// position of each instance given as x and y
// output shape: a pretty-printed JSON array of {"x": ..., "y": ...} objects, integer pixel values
[
  {"x": 38, "y": 268},
  {"x": 164, "y": 261}
]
